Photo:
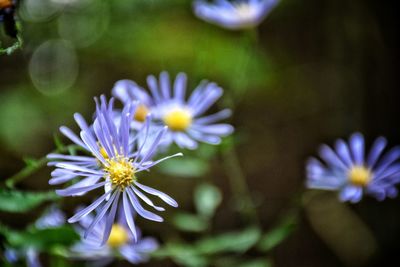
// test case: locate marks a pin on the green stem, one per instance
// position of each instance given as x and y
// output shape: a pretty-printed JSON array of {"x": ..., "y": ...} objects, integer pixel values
[
  {"x": 239, "y": 186},
  {"x": 32, "y": 168}
]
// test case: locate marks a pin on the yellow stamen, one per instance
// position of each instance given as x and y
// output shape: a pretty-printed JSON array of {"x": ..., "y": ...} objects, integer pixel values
[
  {"x": 178, "y": 119},
  {"x": 5, "y": 3},
  {"x": 121, "y": 172},
  {"x": 359, "y": 176},
  {"x": 141, "y": 113},
  {"x": 103, "y": 152},
  {"x": 118, "y": 236}
]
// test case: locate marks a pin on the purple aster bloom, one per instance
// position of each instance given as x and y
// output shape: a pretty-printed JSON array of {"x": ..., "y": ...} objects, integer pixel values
[
  {"x": 52, "y": 217},
  {"x": 353, "y": 173},
  {"x": 185, "y": 118},
  {"x": 236, "y": 14},
  {"x": 117, "y": 169},
  {"x": 30, "y": 255},
  {"x": 120, "y": 243}
]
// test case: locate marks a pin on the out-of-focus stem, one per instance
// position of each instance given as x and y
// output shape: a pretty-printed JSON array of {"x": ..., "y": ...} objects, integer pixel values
[
  {"x": 240, "y": 190},
  {"x": 31, "y": 169}
]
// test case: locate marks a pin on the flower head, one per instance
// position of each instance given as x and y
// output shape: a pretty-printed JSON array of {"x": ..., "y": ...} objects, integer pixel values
[
  {"x": 30, "y": 255},
  {"x": 236, "y": 14},
  {"x": 113, "y": 164},
  {"x": 52, "y": 217},
  {"x": 184, "y": 117},
  {"x": 120, "y": 243},
  {"x": 348, "y": 170}
]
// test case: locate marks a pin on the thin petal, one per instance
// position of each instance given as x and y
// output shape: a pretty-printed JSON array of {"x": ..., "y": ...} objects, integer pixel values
[
  {"x": 180, "y": 87},
  {"x": 357, "y": 148},
  {"x": 73, "y": 191},
  {"x": 376, "y": 151},
  {"x": 146, "y": 199},
  {"x": 84, "y": 212},
  {"x": 110, "y": 219},
  {"x": 140, "y": 210},
  {"x": 184, "y": 141},
  {"x": 343, "y": 151},
  {"x": 129, "y": 215},
  {"x": 215, "y": 129},
  {"x": 165, "y": 85},
  {"x": 101, "y": 213},
  {"x": 73, "y": 137},
  {"x": 167, "y": 199},
  {"x": 331, "y": 157},
  {"x": 221, "y": 115}
]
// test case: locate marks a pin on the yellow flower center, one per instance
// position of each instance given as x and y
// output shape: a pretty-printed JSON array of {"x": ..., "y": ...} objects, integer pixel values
[
  {"x": 121, "y": 172},
  {"x": 5, "y": 3},
  {"x": 359, "y": 176},
  {"x": 178, "y": 119},
  {"x": 118, "y": 236},
  {"x": 141, "y": 113}
]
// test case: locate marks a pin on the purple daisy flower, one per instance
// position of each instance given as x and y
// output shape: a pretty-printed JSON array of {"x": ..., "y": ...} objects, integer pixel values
[
  {"x": 236, "y": 14},
  {"x": 30, "y": 255},
  {"x": 186, "y": 124},
  {"x": 120, "y": 243},
  {"x": 351, "y": 172},
  {"x": 52, "y": 217},
  {"x": 116, "y": 169}
]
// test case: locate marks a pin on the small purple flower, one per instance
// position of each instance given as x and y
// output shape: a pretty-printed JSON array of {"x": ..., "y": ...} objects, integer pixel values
[
  {"x": 186, "y": 124},
  {"x": 29, "y": 254},
  {"x": 116, "y": 169},
  {"x": 52, "y": 217},
  {"x": 120, "y": 243},
  {"x": 236, "y": 14},
  {"x": 348, "y": 170}
]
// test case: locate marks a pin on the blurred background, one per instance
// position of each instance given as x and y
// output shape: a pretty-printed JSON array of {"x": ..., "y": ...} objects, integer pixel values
[{"x": 312, "y": 72}]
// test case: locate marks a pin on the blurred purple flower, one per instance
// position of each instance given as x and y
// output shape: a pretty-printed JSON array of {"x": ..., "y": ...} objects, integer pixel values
[
  {"x": 116, "y": 170},
  {"x": 120, "y": 243},
  {"x": 348, "y": 170},
  {"x": 52, "y": 217},
  {"x": 168, "y": 106},
  {"x": 236, "y": 14},
  {"x": 30, "y": 255}
]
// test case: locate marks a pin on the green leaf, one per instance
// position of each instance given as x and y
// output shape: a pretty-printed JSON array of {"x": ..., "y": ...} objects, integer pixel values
[
  {"x": 43, "y": 239},
  {"x": 18, "y": 201},
  {"x": 230, "y": 242},
  {"x": 207, "y": 198},
  {"x": 277, "y": 235},
  {"x": 207, "y": 151},
  {"x": 184, "y": 167},
  {"x": 189, "y": 222},
  {"x": 256, "y": 263},
  {"x": 182, "y": 254}
]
